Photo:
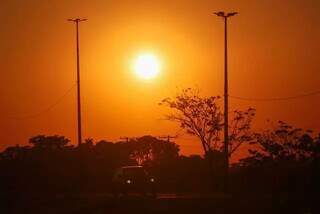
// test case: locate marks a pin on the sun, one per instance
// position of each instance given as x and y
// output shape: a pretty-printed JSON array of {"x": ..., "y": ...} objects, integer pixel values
[{"x": 146, "y": 66}]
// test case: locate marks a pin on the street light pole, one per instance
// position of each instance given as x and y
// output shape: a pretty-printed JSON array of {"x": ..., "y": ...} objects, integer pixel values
[
  {"x": 76, "y": 21},
  {"x": 225, "y": 17}
]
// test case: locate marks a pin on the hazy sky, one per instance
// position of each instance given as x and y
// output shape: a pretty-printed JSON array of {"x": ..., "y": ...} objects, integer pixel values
[{"x": 274, "y": 52}]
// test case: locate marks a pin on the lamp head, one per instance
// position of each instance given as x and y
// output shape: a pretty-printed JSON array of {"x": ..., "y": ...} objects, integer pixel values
[
  {"x": 232, "y": 14},
  {"x": 77, "y": 20},
  {"x": 220, "y": 13}
]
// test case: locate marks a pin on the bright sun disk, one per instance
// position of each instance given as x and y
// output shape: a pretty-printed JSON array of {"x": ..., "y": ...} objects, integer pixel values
[{"x": 146, "y": 66}]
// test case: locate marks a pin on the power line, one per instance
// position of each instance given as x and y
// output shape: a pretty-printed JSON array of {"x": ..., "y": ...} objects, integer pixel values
[
  {"x": 31, "y": 116},
  {"x": 276, "y": 98}
]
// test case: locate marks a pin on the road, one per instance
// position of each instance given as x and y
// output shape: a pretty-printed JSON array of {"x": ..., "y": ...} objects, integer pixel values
[{"x": 163, "y": 204}]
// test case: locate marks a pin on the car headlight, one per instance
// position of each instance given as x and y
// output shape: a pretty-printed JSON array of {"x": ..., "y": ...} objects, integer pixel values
[
  {"x": 128, "y": 181},
  {"x": 152, "y": 180}
]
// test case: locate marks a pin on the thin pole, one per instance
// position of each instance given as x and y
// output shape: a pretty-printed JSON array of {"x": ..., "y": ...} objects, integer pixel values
[
  {"x": 225, "y": 17},
  {"x": 78, "y": 80},
  {"x": 78, "y": 88},
  {"x": 226, "y": 106}
]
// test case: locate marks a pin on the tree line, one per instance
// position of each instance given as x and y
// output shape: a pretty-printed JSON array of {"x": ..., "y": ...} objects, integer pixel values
[{"x": 280, "y": 159}]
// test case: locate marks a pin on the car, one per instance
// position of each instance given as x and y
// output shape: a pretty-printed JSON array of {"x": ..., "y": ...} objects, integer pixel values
[{"x": 133, "y": 179}]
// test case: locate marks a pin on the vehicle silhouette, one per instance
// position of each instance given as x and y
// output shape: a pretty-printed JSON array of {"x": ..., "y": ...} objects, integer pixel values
[{"x": 133, "y": 179}]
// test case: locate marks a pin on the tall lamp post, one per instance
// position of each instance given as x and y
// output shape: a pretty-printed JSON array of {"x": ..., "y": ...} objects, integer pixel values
[
  {"x": 77, "y": 21},
  {"x": 225, "y": 17}
]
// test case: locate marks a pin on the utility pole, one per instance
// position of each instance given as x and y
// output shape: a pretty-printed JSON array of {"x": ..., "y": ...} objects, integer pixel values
[
  {"x": 225, "y": 17},
  {"x": 167, "y": 137},
  {"x": 76, "y": 21},
  {"x": 126, "y": 138}
]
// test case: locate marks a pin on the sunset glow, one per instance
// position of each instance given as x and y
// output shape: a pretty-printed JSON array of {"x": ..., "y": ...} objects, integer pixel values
[
  {"x": 133, "y": 54},
  {"x": 162, "y": 106}
]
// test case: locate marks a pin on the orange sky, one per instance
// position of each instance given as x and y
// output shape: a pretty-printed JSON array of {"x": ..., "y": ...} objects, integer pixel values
[{"x": 274, "y": 52}]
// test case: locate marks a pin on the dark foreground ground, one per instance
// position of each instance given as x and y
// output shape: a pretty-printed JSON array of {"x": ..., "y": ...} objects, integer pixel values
[{"x": 164, "y": 204}]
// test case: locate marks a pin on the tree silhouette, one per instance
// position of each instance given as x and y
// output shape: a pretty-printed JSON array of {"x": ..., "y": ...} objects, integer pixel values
[
  {"x": 198, "y": 116},
  {"x": 15, "y": 152},
  {"x": 203, "y": 118},
  {"x": 283, "y": 143},
  {"x": 49, "y": 142},
  {"x": 148, "y": 148},
  {"x": 282, "y": 159}
]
